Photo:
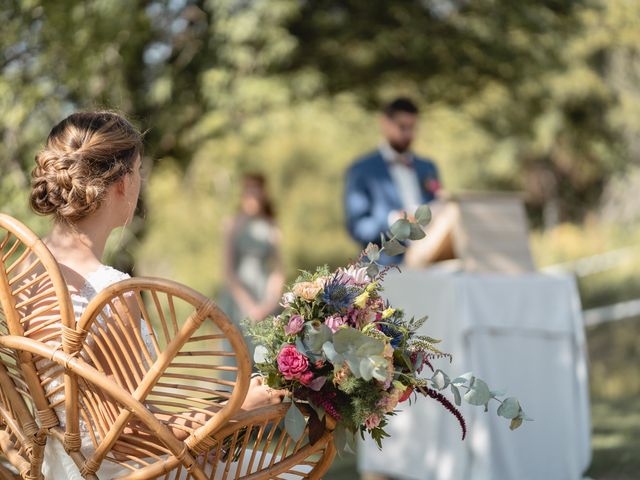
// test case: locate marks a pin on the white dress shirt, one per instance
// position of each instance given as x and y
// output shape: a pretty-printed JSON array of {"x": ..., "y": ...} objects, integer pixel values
[{"x": 404, "y": 178}]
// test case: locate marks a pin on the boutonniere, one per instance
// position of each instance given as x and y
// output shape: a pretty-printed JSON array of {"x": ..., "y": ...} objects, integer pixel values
[{"x": 432, "y": 185}]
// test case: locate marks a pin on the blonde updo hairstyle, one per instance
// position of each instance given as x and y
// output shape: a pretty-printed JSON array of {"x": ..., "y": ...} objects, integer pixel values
[{"x": 84, "y": 155}]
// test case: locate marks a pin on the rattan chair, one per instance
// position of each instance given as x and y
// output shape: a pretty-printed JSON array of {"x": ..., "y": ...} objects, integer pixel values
[{"x": 173, "y": 412}]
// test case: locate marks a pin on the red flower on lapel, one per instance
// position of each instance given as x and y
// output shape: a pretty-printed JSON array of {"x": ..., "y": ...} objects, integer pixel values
[{"x": 432, "y": 185}]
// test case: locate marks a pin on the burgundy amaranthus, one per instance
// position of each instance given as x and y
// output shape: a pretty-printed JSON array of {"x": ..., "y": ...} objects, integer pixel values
[
  {"x": 444, "y": 401},
  {"x": 324, "y": 400},
  {"x": 425, "y": 361}
]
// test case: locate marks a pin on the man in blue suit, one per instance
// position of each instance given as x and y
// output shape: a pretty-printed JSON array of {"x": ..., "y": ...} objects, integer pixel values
[{"x": 383, "y": 184}]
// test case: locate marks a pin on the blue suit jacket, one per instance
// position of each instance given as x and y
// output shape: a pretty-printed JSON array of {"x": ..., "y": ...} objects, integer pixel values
[{"x": 370, "y": 195}]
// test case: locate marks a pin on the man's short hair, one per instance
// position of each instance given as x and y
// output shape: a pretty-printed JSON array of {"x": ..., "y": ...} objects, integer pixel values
[{"x": 400, "y": 104}]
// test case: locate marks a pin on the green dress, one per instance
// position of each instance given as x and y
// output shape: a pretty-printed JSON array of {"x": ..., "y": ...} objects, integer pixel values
[{"x": 254, "y": 259}]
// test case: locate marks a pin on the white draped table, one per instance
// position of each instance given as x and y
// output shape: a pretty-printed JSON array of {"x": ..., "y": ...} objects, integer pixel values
[{"x": 521, "y": 333}]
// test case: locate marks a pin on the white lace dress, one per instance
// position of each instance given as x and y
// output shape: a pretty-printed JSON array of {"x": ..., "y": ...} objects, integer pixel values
[{"x": 57, "y": 464}]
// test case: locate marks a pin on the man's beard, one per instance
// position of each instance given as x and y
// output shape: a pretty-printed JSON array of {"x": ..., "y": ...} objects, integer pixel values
[{"x": 400, "y": 147}]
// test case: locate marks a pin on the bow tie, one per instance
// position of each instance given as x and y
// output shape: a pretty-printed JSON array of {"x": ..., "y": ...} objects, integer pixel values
[{"x": 404, "y": 159}]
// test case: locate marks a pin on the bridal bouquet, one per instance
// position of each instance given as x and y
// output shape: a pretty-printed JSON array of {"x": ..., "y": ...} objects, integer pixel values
[{"x": 341, "y": 348}]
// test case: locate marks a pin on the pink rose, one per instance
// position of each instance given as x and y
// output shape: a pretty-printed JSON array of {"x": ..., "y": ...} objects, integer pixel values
[
  {"x": 372, "y": 421},
  {"x": 295, "y": 324},
  {"x": 306, "y": 377},
  {"x": 291, "y": 363},
  {"x": 334, "y": 322}
]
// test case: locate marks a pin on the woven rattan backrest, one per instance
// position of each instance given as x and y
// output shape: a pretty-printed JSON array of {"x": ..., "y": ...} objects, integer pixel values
[
  {"x": 34, "y": 302},
  {"x": 175, "y": 352},
  {"x": 258, "y": 442}
]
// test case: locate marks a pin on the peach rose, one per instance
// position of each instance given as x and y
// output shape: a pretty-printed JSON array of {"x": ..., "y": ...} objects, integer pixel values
[{"x": 309, "y": 290}]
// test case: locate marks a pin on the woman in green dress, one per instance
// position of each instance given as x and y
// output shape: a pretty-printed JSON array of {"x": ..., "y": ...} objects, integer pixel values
[{"x": 253, "y": 271}]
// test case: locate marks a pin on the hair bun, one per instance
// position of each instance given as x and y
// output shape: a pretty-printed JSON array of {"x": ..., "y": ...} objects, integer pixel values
[
  {"x": 46, "y": 196},
  {"x": 84, "y": 155}
]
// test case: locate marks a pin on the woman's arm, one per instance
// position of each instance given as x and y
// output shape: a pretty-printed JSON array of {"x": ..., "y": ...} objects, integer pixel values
[{"x": 259, "y": 395}]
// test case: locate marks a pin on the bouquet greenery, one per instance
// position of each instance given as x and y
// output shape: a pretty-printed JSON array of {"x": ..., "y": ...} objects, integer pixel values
[{"x": 341, "y": 348}]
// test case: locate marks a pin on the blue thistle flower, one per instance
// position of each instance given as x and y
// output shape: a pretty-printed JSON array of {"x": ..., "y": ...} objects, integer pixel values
[
  {"x": 393, "y": 333},
  {"x": 338, "y": 295}
]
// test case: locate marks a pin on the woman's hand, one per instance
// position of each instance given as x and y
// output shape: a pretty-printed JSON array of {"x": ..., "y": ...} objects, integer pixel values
[
  {"x": 260, "y": 395},
  {"x": 258, "y": 312}
]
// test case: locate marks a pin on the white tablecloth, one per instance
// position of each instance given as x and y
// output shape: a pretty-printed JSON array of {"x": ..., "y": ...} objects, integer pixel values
[{"x": 522, "y": 333}]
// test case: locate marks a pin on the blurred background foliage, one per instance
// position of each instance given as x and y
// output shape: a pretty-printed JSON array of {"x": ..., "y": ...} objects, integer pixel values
[{"x": 541, "y": 96}]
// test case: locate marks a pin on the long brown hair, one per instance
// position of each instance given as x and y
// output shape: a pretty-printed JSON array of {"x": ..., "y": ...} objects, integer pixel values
[{"x": 261, "y": 181}]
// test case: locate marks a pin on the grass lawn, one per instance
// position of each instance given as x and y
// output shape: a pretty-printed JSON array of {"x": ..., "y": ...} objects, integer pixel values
[{"x": 616, "y": 439}]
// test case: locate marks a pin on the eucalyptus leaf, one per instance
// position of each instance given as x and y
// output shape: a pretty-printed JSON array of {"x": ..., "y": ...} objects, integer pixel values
[
  {"x": 401, "y": 229},
  {"x": 352, "y": 340},
  {"x": 440, "y": 379},
  {"x": 331, "y": 354},
  {"x": 373, "y": 270},
  {"x": 373, "y": 252},
  {"x": 366, "y": 369},
  {"x": 380, "y": 370},
  {"x": 393, "y": 247},
  {"x": 510, "y": 408},
  {"x": 423, "y": 215},
  {"x": 419, "y": 361},
  {"x": 294, "y": 422},
  {"x": 316, "y": 335},
  {"x": 344, "y": 338},
  {"x": 462, "y": 379},
  {"x": 456, "y": 395},
  {"x": 369, "y": 347},
  {"x": 416, "y": 232},
  {"x": 302, "y": 347},
  {"x": 340, "y": 438},
  {"x": 353, "y": 362},
  {"x": 260, "y": 354},
  {"x": 478, "y": 393}
]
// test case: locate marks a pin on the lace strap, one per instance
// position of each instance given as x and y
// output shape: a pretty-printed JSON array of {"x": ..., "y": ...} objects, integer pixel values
[{"x": 105, "y": 276}]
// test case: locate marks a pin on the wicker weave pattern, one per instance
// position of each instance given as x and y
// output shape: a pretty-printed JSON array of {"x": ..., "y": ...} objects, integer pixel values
[
  {"x": 34, "y": 301},
  {"x": 154, "y": 377}
]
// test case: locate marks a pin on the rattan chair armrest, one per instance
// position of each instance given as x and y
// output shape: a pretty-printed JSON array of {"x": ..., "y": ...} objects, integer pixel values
[
  {"x": 99, "y": 380},
  {"x": 208, "y": 309}
]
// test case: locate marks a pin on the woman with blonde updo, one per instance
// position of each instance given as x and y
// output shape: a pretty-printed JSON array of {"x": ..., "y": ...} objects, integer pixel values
[{"x": 88, "y": 179}]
